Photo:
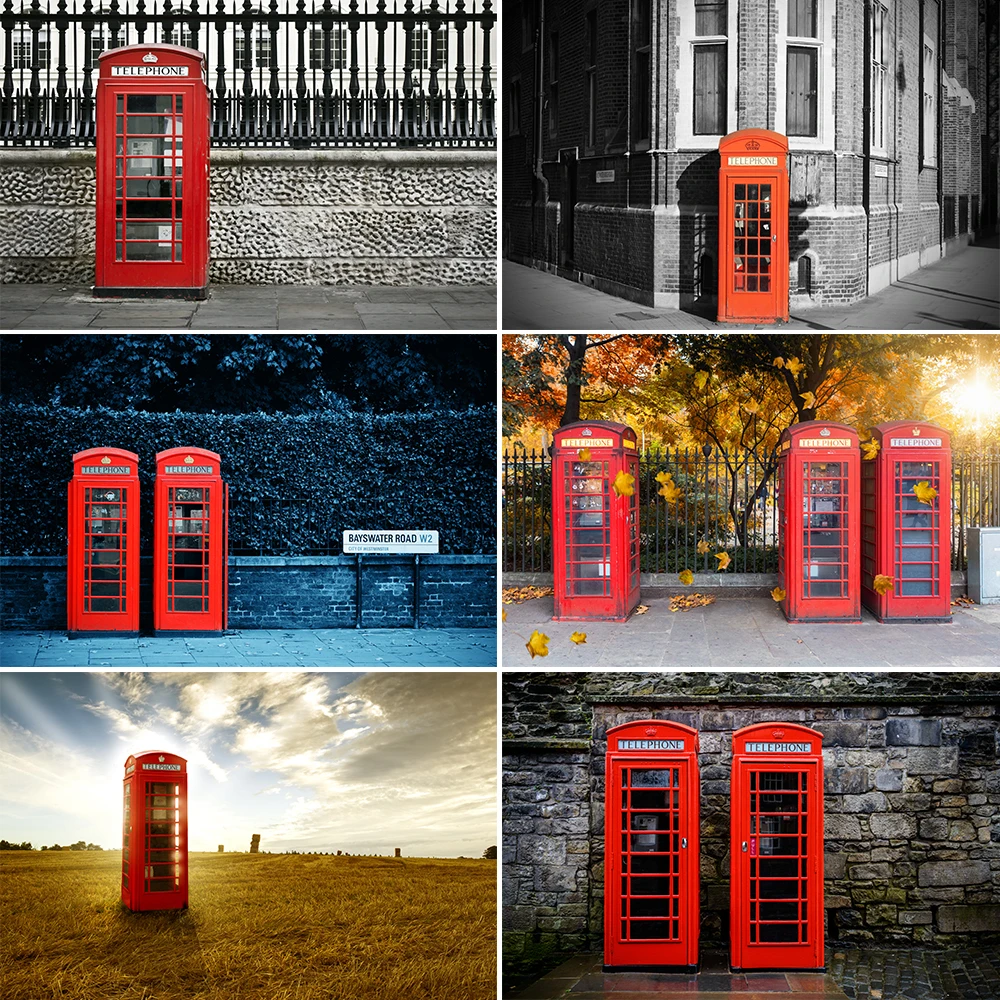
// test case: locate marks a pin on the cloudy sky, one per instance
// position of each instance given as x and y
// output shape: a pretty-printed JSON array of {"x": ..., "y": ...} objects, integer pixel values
[{"x": 310, "y": 761}]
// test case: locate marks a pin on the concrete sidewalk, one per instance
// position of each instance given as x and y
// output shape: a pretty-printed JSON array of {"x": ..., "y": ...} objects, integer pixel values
[
  {"x": 748, "y": 632},
  {"x": 395, "y": 647},
  {"x": 960, "y": 292},
  {"x": 255, "y": 307}
]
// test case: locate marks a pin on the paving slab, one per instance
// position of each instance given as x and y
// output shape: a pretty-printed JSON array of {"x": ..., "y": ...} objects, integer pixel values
[
  {"x": 748, "y": 633},
  {"x": 242, "y": 307},
  {"x": 249, "y": 648}
]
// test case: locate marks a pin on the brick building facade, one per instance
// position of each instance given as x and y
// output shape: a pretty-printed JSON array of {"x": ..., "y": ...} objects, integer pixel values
[
  {"x": 911, "y": 804},
  {"x": 613, "y": 112}
]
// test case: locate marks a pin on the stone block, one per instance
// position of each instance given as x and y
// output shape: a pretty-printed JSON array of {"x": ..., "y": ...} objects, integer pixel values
[
  {"x": 949, "y": 786},
  {"x": 893, "y": 826},
  {"x": 980, "y": 919},
  {"x": 878, "y": 870},
  {"x": 870, "y": 802},
  {"x": 910, "y": 918},
  {"x": 834, "y": 865},
  {"x": 532, "y": 849},
  {"x": 889, "y": 779},
  {"x": 836, "y": 902},
  {"x": 839, "y": 827},
  {"x": 932, "y": 760},
  {"x": 960, "y": 873},
  {"x": 961, "y": 830},
  {"x": 913, "y": 732},
  {"x": 880, "y": 915},
  {"x": 844, "y": 734},
  {"x": 847, "y": 780}
]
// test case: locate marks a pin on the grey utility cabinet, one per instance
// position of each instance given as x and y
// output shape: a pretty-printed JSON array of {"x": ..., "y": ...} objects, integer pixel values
[{"x": 983, "y": 547}]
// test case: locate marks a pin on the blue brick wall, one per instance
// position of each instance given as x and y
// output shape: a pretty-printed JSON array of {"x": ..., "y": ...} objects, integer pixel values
[{"x": 456, "y": 591}]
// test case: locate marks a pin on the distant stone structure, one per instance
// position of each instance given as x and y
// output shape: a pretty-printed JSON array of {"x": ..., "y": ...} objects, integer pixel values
[
  {"x": 255, "y": 843},
  {"x": 222, "y": 848},
  {"x": 397, "y": 852}
]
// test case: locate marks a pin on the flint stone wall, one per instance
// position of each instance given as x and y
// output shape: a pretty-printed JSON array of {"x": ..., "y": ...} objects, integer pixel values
[
  {"x": 277, "y": 216},
  {"x": 911, "y": 799}
]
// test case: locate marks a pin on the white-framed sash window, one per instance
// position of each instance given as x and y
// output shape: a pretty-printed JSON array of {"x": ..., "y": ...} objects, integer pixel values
[
  {"x": 706, "y": 72},
  {"x": 805, "y": 73}
]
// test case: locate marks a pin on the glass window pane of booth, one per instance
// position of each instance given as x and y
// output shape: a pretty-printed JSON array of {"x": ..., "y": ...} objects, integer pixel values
[
  {"x": 588, "y": 528},
  {"x": 916, "y": 551},
  {"x": 825, "y": 531}
]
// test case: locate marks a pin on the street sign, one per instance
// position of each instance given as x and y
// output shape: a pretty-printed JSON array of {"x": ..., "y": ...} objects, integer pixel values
[{"x": 390, "y": 542}]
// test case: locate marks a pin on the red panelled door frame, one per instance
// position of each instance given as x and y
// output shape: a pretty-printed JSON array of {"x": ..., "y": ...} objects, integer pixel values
[
  {"x": 905, "y": 538},
  {"x": 753, "y": 227},
  {"x": 155, "y": 832},
  {"x": 776, "y": 852},
  {"x": 651, "y": 826},
  {"x": 595, "y": 531},
  {"x": 102, "y": 571},
  {"x": 190, "y": 551},
  {"x": 819, "y": 497},
  {"x": 152, "y": 172}
]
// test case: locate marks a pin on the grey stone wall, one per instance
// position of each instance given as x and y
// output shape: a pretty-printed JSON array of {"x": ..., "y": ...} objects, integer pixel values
[
  {"x": 277, "y": 216},
  {"x": 456, "y": 591},
  {"x": 912, "y": 799}
]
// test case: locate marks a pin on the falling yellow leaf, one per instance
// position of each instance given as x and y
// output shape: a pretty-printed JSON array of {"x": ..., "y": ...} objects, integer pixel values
[
  {"x": 724, "y": 559},
  {"x": 537, "y": 645},
  {"x": 869, "y": 449},
  {"x": 578, "y": 637},
  {"x": 664, "y": 477},
  {"x": 703, "y": 547},
  {"x": 686, "y": 577},
  {"x": 882, "y": 584},
  {"x": 779, "y": 362},
  {"x": 584, "y": 454},
  {"x": 752, "y": 406},
  {"x": 778, "y": 595},
  {"x": 924, "y": 492},
  {"x": 700, "y": 379},
  {"x": 670, "y": 492},
  {"x": 809, "y": 399},
  {"x": 503, "y": 616},
  {"x": 794, "y": 365},
  {"x": 624, "y": 484}
]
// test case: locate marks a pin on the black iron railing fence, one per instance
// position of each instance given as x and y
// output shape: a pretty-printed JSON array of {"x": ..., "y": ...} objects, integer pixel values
[
  {"x": 728, "y": 502},
  {"x": 323, "y": 74}
]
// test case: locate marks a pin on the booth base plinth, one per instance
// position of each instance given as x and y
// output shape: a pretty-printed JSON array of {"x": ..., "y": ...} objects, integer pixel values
[
  {"x": 777, "y": 968},
  {"x": 823, "y": 621},
  {"x": 687, "y": 969},
  {"x": 590, "y": 618},
  {"x": 101, "y": 634},
  {"x": 945, "y": 619},
  {"x": 189, "y": 294},
  {"x": 184, "y": 633},
  {"x": 745, "y": 320}
]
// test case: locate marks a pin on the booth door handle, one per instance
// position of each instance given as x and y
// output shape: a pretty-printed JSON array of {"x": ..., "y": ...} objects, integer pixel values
[
  {"x": 744, "y": 846},
  {"x": 684, "y": 841},
  {"x": 774, "y": 238}
]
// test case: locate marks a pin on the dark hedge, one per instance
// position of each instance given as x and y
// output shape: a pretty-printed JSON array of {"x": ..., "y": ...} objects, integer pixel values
[{"x": 296, "y": 482}]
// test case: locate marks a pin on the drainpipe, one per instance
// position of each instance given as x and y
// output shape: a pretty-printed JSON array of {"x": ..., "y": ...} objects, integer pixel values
[
  {"x": 541, "y": 184},
  {"x": 939, "y": 138}
]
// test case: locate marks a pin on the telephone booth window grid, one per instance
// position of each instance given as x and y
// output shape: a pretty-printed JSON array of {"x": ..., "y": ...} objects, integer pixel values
[
  {"x": 149, "y": 168},
  {"x": 778, "y": 850},
  {"x": 825, "y": 537},
  {"x": 126, "y": 826},
  {"x": 916, "y": 543},
  {"x": 105, "y": 529},
  {"x": 752, "y": 236},
  {"x": 188, "y": 548},
  {"x": 588, "y": 531},
  {"x": 650, "y": 859},
  {"x": 162, "y": 837}
]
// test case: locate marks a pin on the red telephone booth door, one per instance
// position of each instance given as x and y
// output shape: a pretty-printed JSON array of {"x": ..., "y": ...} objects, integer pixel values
[
  {"x": 152, "y": 172},
  {"x": 154, "y": 832},
  {"x": 651, "y": 846},
  {"x": 595, "y": 527},
  {"x": 776, "y": 867},
  {"x": 102, "y": 573},
  {"x": 905, "y": 537},
  {"x": 819, "y": 523},
  {"x": 190, "y": 564},
  {"x": 753, "y": 227}
]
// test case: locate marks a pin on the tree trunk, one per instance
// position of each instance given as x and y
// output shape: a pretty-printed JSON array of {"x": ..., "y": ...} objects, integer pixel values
[{"x": 576, "y": 348}]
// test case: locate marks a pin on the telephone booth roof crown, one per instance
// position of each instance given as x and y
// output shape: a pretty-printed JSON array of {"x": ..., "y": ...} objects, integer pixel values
[
  {"x": 777, "y": 731},
  {"x": 753, "y": 141},
  {"x": 156, "y": 753},
  {"x": 815, "y": 428},
  {"x": 653, "y": 729},
  {"x": 911, "y": 429},
  {"x": 574, "y": 429},
  {"x": 91, "y": 453},
  {"x": 132, "y": 53}
]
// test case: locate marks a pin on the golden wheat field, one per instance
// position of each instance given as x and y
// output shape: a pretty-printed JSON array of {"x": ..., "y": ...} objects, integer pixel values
[{"x": 259, "y": 927}]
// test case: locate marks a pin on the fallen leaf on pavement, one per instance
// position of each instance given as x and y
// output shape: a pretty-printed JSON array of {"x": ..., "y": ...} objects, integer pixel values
[
  {"x": 642, "y": 609},
  {"x": 685, "y": 602},
  {"x": 518, "y": 595}
]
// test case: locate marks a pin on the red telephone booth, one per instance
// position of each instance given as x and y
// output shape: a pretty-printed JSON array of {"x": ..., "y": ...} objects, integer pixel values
[
  {"x": 819, "y": 523},
  {"x": 102, "y": 567},
  {"x": 904, "y": 537},
  {"x": 651, "y": 858},
  {"x": 152, "y": 173},
  {"x": 191, "y": 545},
  {"x": 776, "y": 829},
  {"x": 753, "y": 227},
  {"x": 595, "y": 526},
  {"x": 154, "y": 832}
]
